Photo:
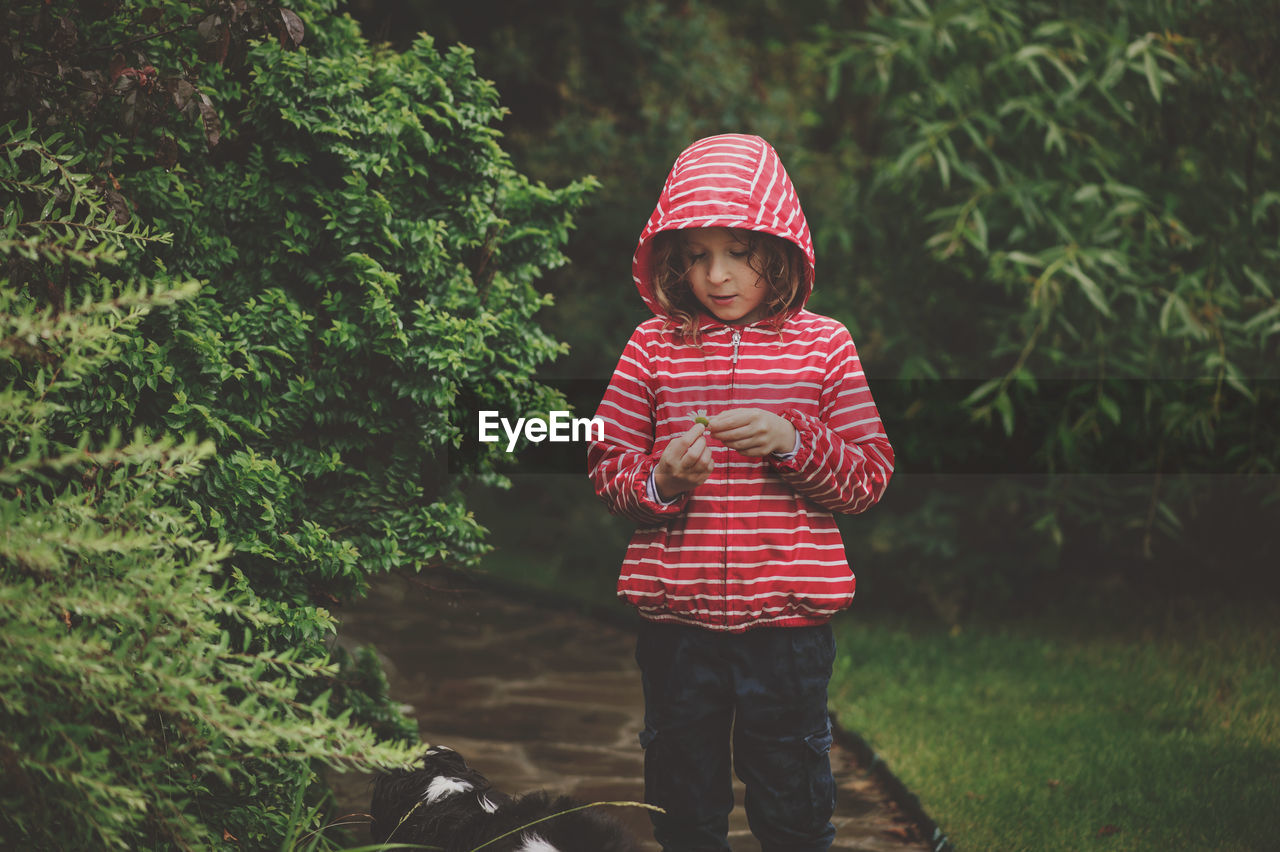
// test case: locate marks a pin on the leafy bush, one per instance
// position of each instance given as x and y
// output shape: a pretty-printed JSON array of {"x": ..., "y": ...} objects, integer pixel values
[
  {"x": 367, "y": 257},
  {"x": 124, "y": 697},
  {"x": 1090, "y": 193}
]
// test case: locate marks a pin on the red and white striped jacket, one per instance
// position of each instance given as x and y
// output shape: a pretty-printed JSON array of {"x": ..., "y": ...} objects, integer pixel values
[{"x": 756, "y": 544}]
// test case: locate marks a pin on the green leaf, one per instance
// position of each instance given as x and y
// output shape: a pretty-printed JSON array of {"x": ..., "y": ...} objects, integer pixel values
[
  {"x": 1004, "y": 405},
  {"x": 1262, "y": 318},
  {"x": 944, "y": 168},
  {"x": 1152, "y": 71},
  {"x": 1053, "y": 138},
  {"x": 1109, "y": 408},
  {"x": 978, "y": 230},
  {"x": 1024, "y": 258},
  {"x": 1089, "y": 286},
  {"x": 1265, "y": 202},
  {"x": 982, "y": 391},
  {"x": 1258, "y": 281}
]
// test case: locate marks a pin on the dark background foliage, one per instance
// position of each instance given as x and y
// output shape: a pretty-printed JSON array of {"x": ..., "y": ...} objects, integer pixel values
[{"x": 1051, "y": 230}]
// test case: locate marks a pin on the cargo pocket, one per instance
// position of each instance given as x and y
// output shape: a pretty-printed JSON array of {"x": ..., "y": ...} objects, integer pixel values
[
  {"x": 790, "y": 791},
  {"x": 820, "y": 742},
  {"x": 823, "y": 785},
  {"x": 653, "y": 769}
]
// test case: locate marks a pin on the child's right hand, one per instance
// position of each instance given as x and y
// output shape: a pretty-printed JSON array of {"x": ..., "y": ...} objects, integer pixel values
[{"x": 684, "y": 464}]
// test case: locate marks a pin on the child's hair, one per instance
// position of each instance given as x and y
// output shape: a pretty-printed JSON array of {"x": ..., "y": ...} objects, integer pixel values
[{"x": 780, "y": 263}]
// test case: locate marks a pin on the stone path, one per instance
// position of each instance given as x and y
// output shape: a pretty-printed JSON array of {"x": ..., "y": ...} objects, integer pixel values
[{"x": 549, "y": 699}]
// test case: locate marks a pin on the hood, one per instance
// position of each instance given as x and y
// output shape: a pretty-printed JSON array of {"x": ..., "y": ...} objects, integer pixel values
[{"x": 730, "y": 181}]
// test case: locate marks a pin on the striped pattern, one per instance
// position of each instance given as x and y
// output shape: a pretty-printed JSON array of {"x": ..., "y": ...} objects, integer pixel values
[
  {"x": 728, "y": 181},
  {"x": 757, "y": 543}
]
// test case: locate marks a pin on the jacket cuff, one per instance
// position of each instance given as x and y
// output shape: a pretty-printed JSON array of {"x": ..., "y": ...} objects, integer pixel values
[
  {"x": 651, "y": 502},
  {"x": 806, "y": 438}
]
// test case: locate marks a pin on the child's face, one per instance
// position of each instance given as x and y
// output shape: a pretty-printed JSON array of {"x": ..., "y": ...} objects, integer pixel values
[{"x": 721, "y": 277}]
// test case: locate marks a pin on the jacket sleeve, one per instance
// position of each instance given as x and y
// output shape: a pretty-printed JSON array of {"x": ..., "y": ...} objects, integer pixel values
[
  {"x": 845, "y": 460},
  {"x": 620, "y": 464}
]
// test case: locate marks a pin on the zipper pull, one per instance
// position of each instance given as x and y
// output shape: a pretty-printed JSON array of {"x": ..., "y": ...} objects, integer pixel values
[{"x": 737, "y": 338}]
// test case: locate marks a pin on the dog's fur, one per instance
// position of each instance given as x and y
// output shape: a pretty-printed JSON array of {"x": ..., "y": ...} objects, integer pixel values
[{"x": 443, "y": 802}]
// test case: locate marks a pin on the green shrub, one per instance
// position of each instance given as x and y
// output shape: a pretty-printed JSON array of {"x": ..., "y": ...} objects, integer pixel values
[
  {"x": 1075, "y": 213},
  {"x": 367, "y": 256},
  {"x": 124, "y": 697}
]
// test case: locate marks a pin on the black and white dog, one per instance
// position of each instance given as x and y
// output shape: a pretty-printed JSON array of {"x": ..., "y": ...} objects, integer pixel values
[{"x": 446, "y": 804}]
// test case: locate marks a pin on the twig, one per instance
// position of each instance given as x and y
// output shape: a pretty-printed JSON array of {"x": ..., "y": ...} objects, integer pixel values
[
  {"x": 1155, "y": 502},
  {"x": 131, "y": 42}
]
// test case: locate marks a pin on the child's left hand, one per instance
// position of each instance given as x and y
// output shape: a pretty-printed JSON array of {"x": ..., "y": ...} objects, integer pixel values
[{"x": 753, "y": 431}]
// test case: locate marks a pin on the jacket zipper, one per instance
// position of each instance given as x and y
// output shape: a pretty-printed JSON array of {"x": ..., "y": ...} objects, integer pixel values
[{"x": 728, "y": 486}]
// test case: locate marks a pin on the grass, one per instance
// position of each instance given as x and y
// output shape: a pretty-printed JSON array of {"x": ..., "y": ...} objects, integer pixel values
[{"x": 1163, "y": 733}]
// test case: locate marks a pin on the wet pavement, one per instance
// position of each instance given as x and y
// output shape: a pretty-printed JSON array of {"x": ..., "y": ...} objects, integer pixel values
[{"x": 539, "y": 697}]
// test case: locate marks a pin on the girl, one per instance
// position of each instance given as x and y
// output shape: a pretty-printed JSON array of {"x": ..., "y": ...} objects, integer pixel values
[{"x": 736, "y": 422}]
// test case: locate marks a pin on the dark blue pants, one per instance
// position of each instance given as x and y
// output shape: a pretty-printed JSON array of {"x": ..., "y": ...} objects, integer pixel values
[{"x": 765, "y": 693}]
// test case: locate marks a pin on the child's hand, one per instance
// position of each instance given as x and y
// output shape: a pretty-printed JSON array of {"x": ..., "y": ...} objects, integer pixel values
[
  {"x": 684, "y": 464},
  {"x": 753, "y": 431}
]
